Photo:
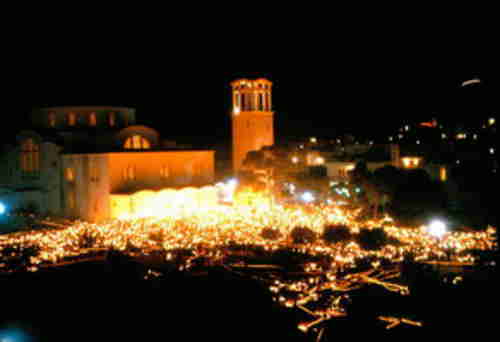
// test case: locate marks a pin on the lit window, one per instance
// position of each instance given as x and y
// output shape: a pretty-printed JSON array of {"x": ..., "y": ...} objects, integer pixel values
[
  {"x": 71, "y": 119},
  {"x": 112, "y": 119},
  {"x": 92, "y": 119},
  {"x": 137, "y": 142},
  {"x": 94, "y": 174},
  {"x": 69, "y": 174},
  {"x": 30, "y": 156},
  {"x": 129, "y": 173},
  {"x": 71, "y": 199},
  {"x": 320, "y": 161},
  {"x": 164, "y": 172},
  {"x": 410, "y": 163},
  {"x": 52, "y": 119}
]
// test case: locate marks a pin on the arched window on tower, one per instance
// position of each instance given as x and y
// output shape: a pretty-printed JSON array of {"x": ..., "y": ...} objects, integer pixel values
[
  {"x": 93, "y": 119},
  {"x": 112, "y": 119},
  {"x": 137, "y": 142},
  {"x": 30, "y": 156},
  {"x": 71, "y": 119},
  {"x": 52, "y": 119}
]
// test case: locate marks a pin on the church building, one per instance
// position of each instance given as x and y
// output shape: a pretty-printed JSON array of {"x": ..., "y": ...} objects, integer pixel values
[
  {"x": 73, "y": 161},
  {"x": 88, "y": 162}
]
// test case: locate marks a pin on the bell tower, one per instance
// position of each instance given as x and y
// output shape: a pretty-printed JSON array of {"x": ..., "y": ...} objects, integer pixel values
[{"x": 252, "y": 118}]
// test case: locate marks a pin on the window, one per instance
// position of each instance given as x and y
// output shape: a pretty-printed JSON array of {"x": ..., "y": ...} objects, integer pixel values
[
  {"x": 30, "y": 156},
  {"x": 112, "y": 119},
  {"x": 69, "y": 174},
  {"x": 71, "y": 119},
  {"x": 71, "y": 199},
  {"x": 137, "y": 142},
  {"x": 443, "y": 174},
  {"x": 93, "y": 119},
  {"x": 52, "y": 119},
  {"x": 94, "y": 172},
  {"x": 164, "y": 172},
  {"x": 129, "y": 173}
]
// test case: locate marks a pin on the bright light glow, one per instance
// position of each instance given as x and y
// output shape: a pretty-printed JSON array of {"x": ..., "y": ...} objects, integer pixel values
[
  {"x": 237, "y": 111},
  {"x": 3, "y": 209},
  {"x": 461, "y": 136},
  {"x": 407, "y": 128},
  {"x": 437, "y": 228},
  {"x": 390, "y": 138},
  {"x": 418, "y": 142},
  {"x": 314, "y": 140},
  {"x": 491, "y": 121},
  {"x": 307, "y": 197},
  {"x": 492, "y": 150},
  {"x": 320, "y": 161},
  {"x": 225, "y": 191},
  {"x": 295, "y": 160},
  {"x": 411, "y": 162},
  {"x": 350, "y": 168},
  {"x": 443, "y": 136}
]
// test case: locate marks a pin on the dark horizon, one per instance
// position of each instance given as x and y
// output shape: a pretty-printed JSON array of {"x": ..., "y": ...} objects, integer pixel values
[{"x": 196, "y": 107}]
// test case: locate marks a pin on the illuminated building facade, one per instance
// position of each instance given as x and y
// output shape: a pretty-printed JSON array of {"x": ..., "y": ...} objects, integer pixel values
[
  {"x": 73, "y": 160},
  {"x": 252, "y": 118}
]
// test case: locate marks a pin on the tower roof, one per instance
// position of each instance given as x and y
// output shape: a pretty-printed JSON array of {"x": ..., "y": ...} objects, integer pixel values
[{"x": 251, "y": 83}]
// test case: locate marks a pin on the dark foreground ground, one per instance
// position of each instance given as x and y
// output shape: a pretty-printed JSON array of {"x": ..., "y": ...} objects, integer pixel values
[{"x": 112, "y": 302}]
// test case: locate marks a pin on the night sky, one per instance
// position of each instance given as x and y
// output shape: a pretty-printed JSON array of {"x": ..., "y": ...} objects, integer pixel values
[{"x": 194, "y": 106}]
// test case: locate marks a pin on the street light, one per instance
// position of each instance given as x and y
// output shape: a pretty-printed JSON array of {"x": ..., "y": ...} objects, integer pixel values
[
  {"x": 307, "y": 197},
  {"x": 437, "y": 228}
]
